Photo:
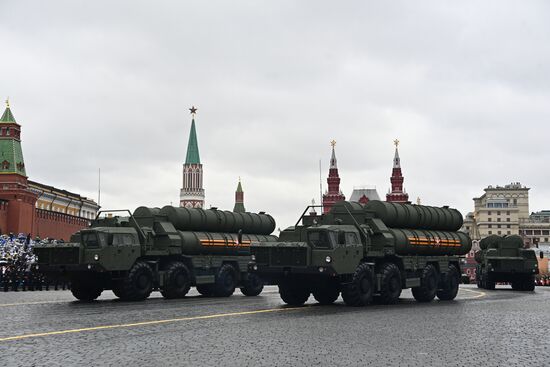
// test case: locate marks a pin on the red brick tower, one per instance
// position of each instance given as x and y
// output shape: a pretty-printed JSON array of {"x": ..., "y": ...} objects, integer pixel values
[
  {"x": 397, "y": 193},
  {"x": 14, "y": 187},
  {"x": 333, "y": 193}
]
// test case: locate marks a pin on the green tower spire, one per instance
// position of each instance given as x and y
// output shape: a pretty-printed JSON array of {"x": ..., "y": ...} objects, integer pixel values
[
  {"x": 239, "y": 199},
  {"x": 193, "y": 156},
  {"x": 11, "y": 154},
  {"x": 7, "y": 116}
]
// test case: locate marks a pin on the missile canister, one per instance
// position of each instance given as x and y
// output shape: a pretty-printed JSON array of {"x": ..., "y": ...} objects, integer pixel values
[
  {"x": 398, "y": 215},
  {"x": 423, "y": 242},
  {"x": 495, "y": 241},
  {"x": 213, "y": 220},
  {"x": 206, "y": 243},
  {"x": 144, "y": 211}
]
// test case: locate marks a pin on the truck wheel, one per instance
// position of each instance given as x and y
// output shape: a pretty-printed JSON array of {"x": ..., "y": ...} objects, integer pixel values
[
  {"x": 327, "y": 294},
  {"x": 449, "y": 286},
  {"x": 225, "y": 281},
  {"x": 390, "y": 284},
  {"x": 360, "y": 290},
  {"x": 529, "y": 284},
  {"x": 253, "y": 286},
  {"x": 478, "y": 282},
  {"x": 85, "y": 290},
  {"x": 428, "y": 285},
  {"x": 138, "y": 284},
  {"x": 177, "y": 281},
  {"x": 293, "y": 294}
]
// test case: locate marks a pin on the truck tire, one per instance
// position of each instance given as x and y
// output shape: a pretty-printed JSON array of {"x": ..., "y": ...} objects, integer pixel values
[
  {"x": 326, "y": 294},
  {"x": 178, "y": 281},
  {"x": 529, "y": 284},
  {"x": 390, "y": 284},
  {"x": 85, "y": 290},
  {"x": 428, "y": 285},
  {"x": 206, "y": 290},
  {"x": 360, "y": 290},
  {"x": 293, "y": 294},
  {"x": 138, "y": 284},
  {"x": 449, "y": 284},
  {"x": 253, "y": 286},
  {"x": 225, "y": 281}
]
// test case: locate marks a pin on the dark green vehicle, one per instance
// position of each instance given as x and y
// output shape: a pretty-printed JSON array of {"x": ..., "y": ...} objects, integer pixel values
[
  {"x": 168, "y": 249},
  {"x": 503, "y": 259},
  {"x": 366, "y": 253}
]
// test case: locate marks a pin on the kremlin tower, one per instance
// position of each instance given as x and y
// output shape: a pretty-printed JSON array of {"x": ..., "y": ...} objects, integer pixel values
[
  {"x": 333, "y": 193},
  {"x": 13, "y": 178},
  {"x": 192, "y": 193},
  {"x": 239, "y": 199},
  {"x": 397, "y": 193}
]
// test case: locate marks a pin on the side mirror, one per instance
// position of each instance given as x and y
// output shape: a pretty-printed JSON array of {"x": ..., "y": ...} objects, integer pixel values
[
  {"x": 240, "y": 237},
  {"x": 341, "y": 237},
  {"x": 541, "y": 254}
]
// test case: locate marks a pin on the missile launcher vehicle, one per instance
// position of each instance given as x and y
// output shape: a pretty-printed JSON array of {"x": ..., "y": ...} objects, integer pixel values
[
  {"x": 168, "y": 249},
  {"x": 366, "y": 253},
  {"x": 503, "y": 259}
]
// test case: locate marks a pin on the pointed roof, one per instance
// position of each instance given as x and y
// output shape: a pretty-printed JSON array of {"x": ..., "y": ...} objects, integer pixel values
[
  {"x": 396, "y": 159},
  {"x": 193, "y": 156},
  {"x": 239, "y": 186},
  {"x": 333, "y": 161},
  {"x": 7, "y": 116}
]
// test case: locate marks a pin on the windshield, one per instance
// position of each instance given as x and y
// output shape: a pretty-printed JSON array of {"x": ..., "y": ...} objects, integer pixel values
[
  {"x": 93, "y": 239},
  {"x": 319, "y": 239}
]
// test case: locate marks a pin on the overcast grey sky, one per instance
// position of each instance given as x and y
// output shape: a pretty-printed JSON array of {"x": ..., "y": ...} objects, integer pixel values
[{"x": 464, "y": 85}]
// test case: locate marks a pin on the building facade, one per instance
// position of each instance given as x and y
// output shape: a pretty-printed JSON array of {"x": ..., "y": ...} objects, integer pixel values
[
  {"x": 500, "y": 210},
  {"x": 333, "y": 194},
  {"x": 31, "y": 207},
  {"x": 397, "y": 193},
  {"x": 364, "y": 194},
  {"x": 192, "y": 191}
]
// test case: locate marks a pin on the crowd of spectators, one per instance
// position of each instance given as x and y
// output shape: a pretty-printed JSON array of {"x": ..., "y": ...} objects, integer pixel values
[{"x": 17, "y": 265}]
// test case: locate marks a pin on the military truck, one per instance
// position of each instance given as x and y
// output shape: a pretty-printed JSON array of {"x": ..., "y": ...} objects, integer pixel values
[
  {"x": 168, "y": 249},
  {"x": 503, "y": 259},
  {"x": 366, "y": 253}
]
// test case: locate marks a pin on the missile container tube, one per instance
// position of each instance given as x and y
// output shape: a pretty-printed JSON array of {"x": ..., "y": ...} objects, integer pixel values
[
  {"x": 169, "y": 250},
  {"x": 503, "y": 259},
  {"x": 366, "y": 253}
]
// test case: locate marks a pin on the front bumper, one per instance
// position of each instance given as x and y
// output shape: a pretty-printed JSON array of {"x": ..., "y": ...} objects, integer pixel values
[
  {"x": 270, "y": 271},
  {"x": 69, "y": 268}
]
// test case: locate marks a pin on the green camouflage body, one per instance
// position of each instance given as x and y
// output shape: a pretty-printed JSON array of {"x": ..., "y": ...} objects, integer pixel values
[
  {"x": 122, "y": 241},
  {"x": 358, "y": 235},
  {"x": 503, "y": 259}
]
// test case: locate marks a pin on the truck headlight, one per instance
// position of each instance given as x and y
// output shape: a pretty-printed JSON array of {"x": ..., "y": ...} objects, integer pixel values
[
  {"x": 89, "y": 266},
  {"x": 255, "y": 267},
  {"x": 328, "y": 259},
  {"x": 96, "y": 257},
  {"x": 253, "y": 257}
]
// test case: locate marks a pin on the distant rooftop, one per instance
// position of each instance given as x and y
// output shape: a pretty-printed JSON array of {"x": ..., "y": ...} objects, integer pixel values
[
  {"x": 511, "y": 186},
  {"x": 358, "y": 193}
]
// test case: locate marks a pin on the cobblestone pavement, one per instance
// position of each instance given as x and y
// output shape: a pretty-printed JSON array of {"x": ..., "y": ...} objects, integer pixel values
[{"x": 496, "y": 328}]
